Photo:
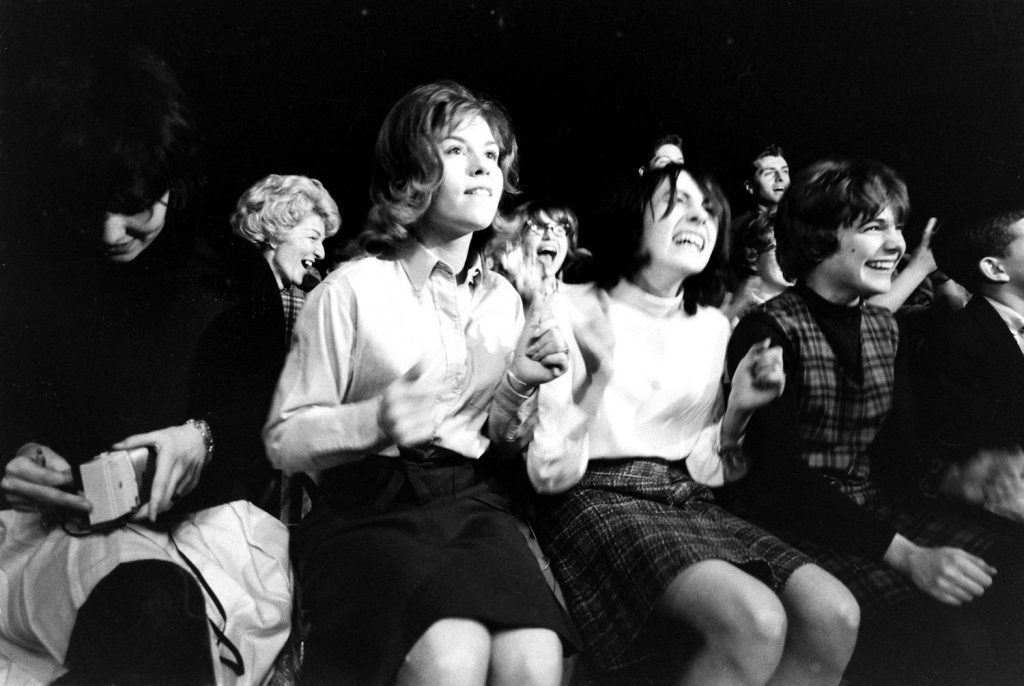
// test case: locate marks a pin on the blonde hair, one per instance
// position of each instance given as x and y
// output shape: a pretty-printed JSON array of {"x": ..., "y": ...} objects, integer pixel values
[{"x": 274, "y": 205}]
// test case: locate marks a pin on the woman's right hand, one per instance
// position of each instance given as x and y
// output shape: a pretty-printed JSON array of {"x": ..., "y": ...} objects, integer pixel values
[
  {"x": 950, "y": 575},
  {"x": 37, "y": 479},
  {"x": 408, "y": 410}
]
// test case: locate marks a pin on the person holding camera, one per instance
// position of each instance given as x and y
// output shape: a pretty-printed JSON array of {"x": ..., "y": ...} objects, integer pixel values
[{"x": 120, "y": 356}]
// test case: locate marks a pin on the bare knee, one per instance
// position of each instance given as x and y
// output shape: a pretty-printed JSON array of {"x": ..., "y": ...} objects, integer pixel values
[
  {"x": 452, "y": 652},
  {"x": 824, "y": 620},
  {"x": 531, "y": 657},
  {"x": 742, "y": 622},
  {"x": 761, "y": 620}
]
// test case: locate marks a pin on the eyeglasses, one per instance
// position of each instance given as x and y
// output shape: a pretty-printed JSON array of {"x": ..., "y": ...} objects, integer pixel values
[{"x": 557, "y": 229}]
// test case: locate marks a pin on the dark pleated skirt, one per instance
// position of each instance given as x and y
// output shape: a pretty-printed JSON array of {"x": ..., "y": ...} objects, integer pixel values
[
  {"x": 619, "y": 538},
  {"x": 395, "y": 544}
]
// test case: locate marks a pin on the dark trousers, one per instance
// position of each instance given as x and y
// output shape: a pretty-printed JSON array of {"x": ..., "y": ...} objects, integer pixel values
[{"x": 144, "y": 624}]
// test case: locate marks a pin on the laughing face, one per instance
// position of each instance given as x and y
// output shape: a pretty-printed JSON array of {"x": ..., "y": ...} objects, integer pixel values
[
  {"x": 471, "y": 182},
  {"x": 546, "y": 241},
  {"x": 868, "y": 253},
  {"x": 679, "y": 240},
  {"x": 297, "y": 250}
]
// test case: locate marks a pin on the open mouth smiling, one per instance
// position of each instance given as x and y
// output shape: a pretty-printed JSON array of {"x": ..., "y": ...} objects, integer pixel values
[
  {"x": 547, "y": 252},
  {"x": 881, "y": 265},
  {"x": 481, "y": 191},
  {"x": 689, "y": 238}
]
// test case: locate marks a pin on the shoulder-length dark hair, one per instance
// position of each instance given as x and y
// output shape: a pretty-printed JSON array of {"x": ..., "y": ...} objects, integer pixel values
[
  {"x": 828, "y": 195},
  {"x": 114, "y": 131},
  {"x": 407, "y": 168},
  {"x": 620, "y": 254}
]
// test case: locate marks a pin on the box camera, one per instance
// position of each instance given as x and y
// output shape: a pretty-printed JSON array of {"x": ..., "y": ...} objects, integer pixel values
[{"x": 117, "y": 483}]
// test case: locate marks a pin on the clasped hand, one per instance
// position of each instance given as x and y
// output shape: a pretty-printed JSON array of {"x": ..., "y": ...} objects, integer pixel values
[
  {"x": 542, "y": 352},
  {"x": 37, "y": 479},
  {"x": 759, "y": 378}
]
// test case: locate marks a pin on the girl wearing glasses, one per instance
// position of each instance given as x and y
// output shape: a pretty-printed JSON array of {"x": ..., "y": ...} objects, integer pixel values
[{"x": 535, "y": 259}]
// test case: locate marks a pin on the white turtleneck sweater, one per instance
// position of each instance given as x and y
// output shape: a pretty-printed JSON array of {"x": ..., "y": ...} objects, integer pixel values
[{"x": 664, "y": 398}]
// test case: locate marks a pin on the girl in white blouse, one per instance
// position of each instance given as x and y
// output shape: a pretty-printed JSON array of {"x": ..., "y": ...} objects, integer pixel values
[
  {"x": 409, "y": 383},
  {"x": 645, "y": 557}
]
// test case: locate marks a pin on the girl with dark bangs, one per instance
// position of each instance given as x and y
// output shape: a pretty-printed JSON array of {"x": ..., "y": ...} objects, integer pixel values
[
  {"x": 828, "y": 456},
  {"x": 645, "y": 557},
  {"x": 411, "y": 379}
]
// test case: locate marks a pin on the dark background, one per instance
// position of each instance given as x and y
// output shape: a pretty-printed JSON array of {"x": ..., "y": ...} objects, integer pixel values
[{"x": 935, "y": 89}]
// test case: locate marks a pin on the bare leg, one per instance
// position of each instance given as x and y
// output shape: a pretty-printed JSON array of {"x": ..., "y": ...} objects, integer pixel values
[
  {"x": 823, "y": 620},
  {"x": 452, "y": 652},
  {"x": 526, "y": 657},
  {"x": 742, "y": 623}
]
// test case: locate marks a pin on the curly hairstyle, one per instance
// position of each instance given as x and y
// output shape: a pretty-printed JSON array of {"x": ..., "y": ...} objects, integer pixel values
[
  {"x": 407, "y": 168},
  {"x": 621, "y": 254},
  {"x": 274, "y": 205},
  {"x": 828, "y": 195},
  {"x": 959, "y": 250},
  {"x": 750, "y": 240}
]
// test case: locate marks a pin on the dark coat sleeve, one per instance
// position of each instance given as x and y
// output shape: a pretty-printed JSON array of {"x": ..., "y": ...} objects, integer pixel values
[
  {"x": 234, "y": 375},
  {"x": 970, "y": 383}
]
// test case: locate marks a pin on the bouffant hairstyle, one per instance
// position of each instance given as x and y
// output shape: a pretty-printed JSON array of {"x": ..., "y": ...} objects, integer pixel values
[
  {"x": 959, "y": 250},
  {"x": 828, "y": 195},
  {"x": 407, "y": 168},
  {"x": 274, "y": 205},
  {"x": 621, "y": 255}
]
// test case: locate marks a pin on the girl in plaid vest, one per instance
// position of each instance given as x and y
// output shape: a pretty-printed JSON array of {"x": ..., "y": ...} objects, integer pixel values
[{"x": 826, "y": 457}]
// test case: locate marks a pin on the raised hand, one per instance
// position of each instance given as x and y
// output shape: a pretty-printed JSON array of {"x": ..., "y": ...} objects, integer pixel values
[
  {"x": 759, "y": 378},
  {"x": 542, "y": 353},
  {"x": 408, "y": 411},
  {"x": 38, "y": 479},
  {"x": 922, "y": 255}
]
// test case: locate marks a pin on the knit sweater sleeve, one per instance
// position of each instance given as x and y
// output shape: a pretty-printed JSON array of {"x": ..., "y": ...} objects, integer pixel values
[{"x": 780, "y": 488}]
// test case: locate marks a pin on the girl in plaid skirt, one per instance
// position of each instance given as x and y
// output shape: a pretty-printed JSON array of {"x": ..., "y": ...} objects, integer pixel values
[
  {"x": 827, "y": 455},
  {"x": 648, "y": 562}
]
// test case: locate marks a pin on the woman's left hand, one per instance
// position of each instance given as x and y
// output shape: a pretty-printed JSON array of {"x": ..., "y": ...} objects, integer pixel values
[
  {"x": 180, "y": 458},
  {"x": 542, "y": 353},
  {"x": 759, "y": 378}
]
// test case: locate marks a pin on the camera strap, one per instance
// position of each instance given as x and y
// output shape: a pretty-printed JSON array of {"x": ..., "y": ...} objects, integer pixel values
[{"x": 235, "y": 662}]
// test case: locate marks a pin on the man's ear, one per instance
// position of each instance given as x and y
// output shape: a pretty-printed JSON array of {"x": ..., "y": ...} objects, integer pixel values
[
  {"x": 749, "y": 187},
  {"x": 992, "y": 269}
]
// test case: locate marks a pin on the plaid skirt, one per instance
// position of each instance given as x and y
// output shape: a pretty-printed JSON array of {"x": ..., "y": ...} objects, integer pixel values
[
  {"x": 879, "y": 588},
  {"x": 394, "y": 544},
  {"x": 619, "y": 538}
]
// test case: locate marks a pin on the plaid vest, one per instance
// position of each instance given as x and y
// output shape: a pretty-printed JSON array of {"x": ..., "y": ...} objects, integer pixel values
[{"x": 839, "y": 416}]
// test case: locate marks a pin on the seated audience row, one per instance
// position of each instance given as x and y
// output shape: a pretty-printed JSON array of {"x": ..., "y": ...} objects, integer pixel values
[{"x": 726, "y": 496}]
